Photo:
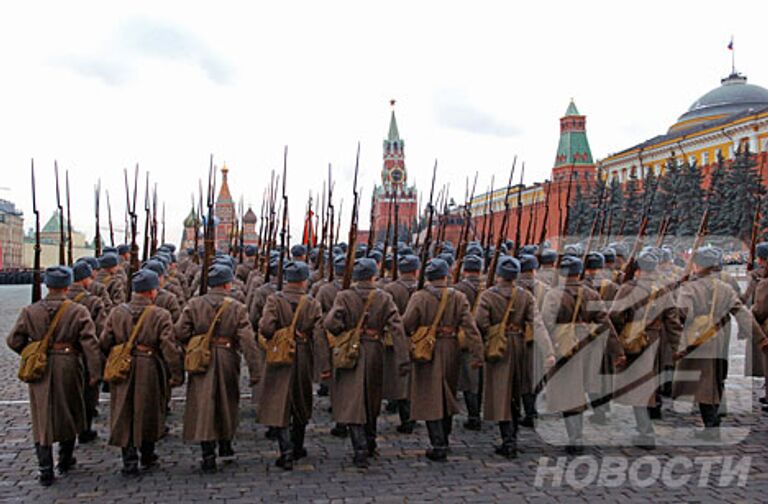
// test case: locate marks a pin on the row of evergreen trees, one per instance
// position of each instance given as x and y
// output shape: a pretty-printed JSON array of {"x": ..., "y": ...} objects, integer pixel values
[{"x": 735, "y": 190}]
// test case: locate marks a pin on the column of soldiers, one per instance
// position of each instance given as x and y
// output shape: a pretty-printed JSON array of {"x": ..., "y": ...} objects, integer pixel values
[{"x": 569, "y": 331}]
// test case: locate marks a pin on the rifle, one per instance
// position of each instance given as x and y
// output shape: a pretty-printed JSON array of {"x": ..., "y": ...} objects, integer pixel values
[
  {"x": 755, "y": 229},
  {"x": 543, "y": 235},
  {"x": 484, "y": 235},
  {"x": 331, "y": 217},
  {"x": 396, "y": 237},
  {"x": 70, "y": 259},
  {"x": 464, "y": 234},
  {"x": 565, "y": 216},
  {"x": 324, "y": 230},
  {"x": 130, "y": 209},
  {"x": 383, "y": 272},
  {"x": 147, "y": 217},
  {"x": 284, "y": 225},
  {"x": 347, "y": 280},
  {"x": 371, "y": 226},
  {"x": 209, "y": 234},
  {"x": 36, "y": 287},
  {"x": 109, "y": 216},
  {"x": 428, "y": 235},
  {"x": 631, "y": 265},
  {"x": 492, "y": 267},
  {"x": 153, "y": 243},
  {"x": 338, "y": 224},
  {"x": 519, "y": 210},
  {"x": 257, "y": 264},
  {"x": 532, "y": 212},
  {"x": 419, "y": 222},
  {"x": 62, "y": 239},
  {"x": 241, "y": 249},
  {"x": 162, "y": 236},
  {"x": 593, "y": 228},
  {"x": 196, "y": 255},
  {"x": 97, "y": 236},
  {"x": 270, "y": 225}
]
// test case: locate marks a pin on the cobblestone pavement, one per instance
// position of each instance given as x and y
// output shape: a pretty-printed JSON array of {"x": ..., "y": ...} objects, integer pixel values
[{"x": 401, "y": 472}]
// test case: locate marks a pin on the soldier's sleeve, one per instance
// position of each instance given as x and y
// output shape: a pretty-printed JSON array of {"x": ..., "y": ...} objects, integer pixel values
[
  {"x": 412, "y": 315},
  {"x": 603, "y": 324},
  {"x": 471, "y": 334},
  {"x": 336, "y": 318},
  {"x": 620, "y": 305},
  {"x": 760, "y": 304},
  {"x": 673, "y": 327},
  {"x": 322, "y": 354},
  {"x": 395, "y": 327},
  {"x": 21, "y": 333},
  {"x": 119, "y": 293},
  {"x": 104, "y": 295},
  {"x": 483, "y": 313},
  {"x": 174, "y": 307},
  {"x": 748, "y": 325},
  {"x": 247, "y": 340},
  {"x": 269, "y": 318},
  {"x": 255, "y": 308},
  {"x": 185, "y": 326},
  {"x": 88, "y": 342},
  {"x": 540, "y": 333},
  {"x": 98, "y": 314},
  {"x": 168, "y": 347},
  {"x": 107, "y": 334}
]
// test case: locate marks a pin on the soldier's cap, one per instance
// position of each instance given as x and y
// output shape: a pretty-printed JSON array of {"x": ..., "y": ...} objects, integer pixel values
[
  {"x": 273, "y": 253},
  {"x": 376, "y": 255},
  {"x": 573, "y": 250},
  {"x": 447, "y": 257},
  {"x": 595, "y": 260},
  {"x": 295, "y": 271},
  {"x": 58, "y": 277},
  {"x": 109, "y": 250},
  {"x": 170, "y": 247},
  {"x": 337, "y": 251},
  {"x": 227, "y": 261},
  {"x": 474, "y": 249},
  {"x": 436, "y": 269},
  {"x": 510, "y": 244},
  {"x": 448, "y": 244},
  {"x": 548, "y": 256},
  {"x": 508, "y": 268},
  {"x": 408, "y": 263},
  {"x": 219, "y": 274},
  {"x": 92, "y": 262},
  {"x": 666, "y": 254},
  {"x": 190, "y": 250},
  {"x": 472, "y": 263},
  {"x": 201, "y": 250},
  {"x": 405, "y": 250},
  {"x": 621, "y": 249},
  {"x": 314, "y": 253},
  {"x": 81, "y": 270},
  {"x": 342, "y": 246},
  {"x": 156, "y": 266},
  {"x": 379, "y": 245},
  {"x": 250, "y": 250},
  {"x": 648, "y": 259},
  {"x": 123, "y": 249},
  {"x": 528, "y": 262},
  {"x": 108, "y": 260},
  {"x": 364, "y": 269},
  {"x": 274, "y": 262},
  {"x": 163, "y": 258},
  {"x": 388, "y": 261},
  {"x": 219, "y": 253},
  {"x": 339, "y": 263},
  {"x": 298, "y": 250},
  {"x": 708, "y": 257},
  {"x": 361, "y": 251},
  {"x": 609, "y": 254},
  {"x": 529, "y": 250},
  {"x": 571, "y": 266},
  {"x": 761, "y": 250},
  {"x": 145, "y": 280}
]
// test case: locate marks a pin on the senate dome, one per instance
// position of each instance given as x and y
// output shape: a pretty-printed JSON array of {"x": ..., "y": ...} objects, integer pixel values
[{"x": 734, "y": 96}]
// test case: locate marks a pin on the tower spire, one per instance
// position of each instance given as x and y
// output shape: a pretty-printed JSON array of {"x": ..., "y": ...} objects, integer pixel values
[{"x": 394, "y": 134}]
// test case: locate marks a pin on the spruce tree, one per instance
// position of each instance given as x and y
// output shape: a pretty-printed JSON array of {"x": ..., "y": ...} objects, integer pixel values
[
  {"x": 632, "y": 212},
  {"x": 743, "y": 188},
  {"x": 615, "y": 208},
  {"x": 665, "y": 202},
  {"x": 690, "y": 200},
  {"x": 717, "y": 198},
  {"x": 579, "y": 216},
  {"x": 650, "y": 192}
]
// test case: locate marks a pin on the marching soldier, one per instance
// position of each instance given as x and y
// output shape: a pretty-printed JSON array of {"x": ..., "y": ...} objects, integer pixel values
[
  {"x": 356, "y": 391},
  {"x": 172, "y": 281},
  {"x": 548, "y": 271},
  {"x": 326, "y": 294},
  {"x": 286, "y": 401},
  {"x": 124, "y": 257},
  {"x": 237, "y": 288},
  {"x": 512, "y": 310},
  {"x": 64, "y": 330},
  {"x": 163, "y": 298},
  {"x": 299, "y": 252},
  {"x": 434, "y": 380},
  {"x": 533, "y": 358},
  {"x": 111, "y": 277},
  {"x": 138, "y": 404},
  {"x": 213, "y": 395},
  {"x": 706, "y": 302},
  {"x": 244, "y": 269},
  {"x": 97, "y": 288},
  {"x": 395, "y": 380},
  {"x": 79, "y": 293},
  {"x": 469, "y": 376},
  {"x": 573, "y": 316},
  {"x": 755, "y": 359},
  {"x": 645, "y": 315}
]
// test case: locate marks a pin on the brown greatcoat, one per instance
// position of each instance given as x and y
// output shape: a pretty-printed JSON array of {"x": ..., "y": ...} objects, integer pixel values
[
  {"x": 396, "y": 383},
  {"x": 213, "y": 397},
  {"x": 755, "y": 364},
  {"x": 254, "y": 281},
  {"x": 356, "y": 393},
  {"x": 469, "y": 377},
  {"x": 326, "y": 294},
  {"x": 114, "y": 284},
  {"x": 547, "y": 275},
  {"x": 98, "y": 289},
  {"x": 174, "y": 286},
  {"x": 92, "y": 302},
  {"x": 243, "y": 270},
  {"x": 502, "y": 378},
  {"x": 599, "y": 369},
  {"x": 137, "y": 406},
  {"x": 636, "y": 384},
  {"x": 566, "y": 388},
  {"x": 698, "y": 375},
  {"x": 287, "y": 390},
  {"x": 169, "y": 301},
  {"x": 56, "y": 401},
  {"x": 533, "y": 368},
  {"x": 433, "y": 384}
]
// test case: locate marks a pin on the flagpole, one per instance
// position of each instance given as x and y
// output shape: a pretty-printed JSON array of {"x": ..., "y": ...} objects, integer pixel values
[{"x": 733, "y": 57}]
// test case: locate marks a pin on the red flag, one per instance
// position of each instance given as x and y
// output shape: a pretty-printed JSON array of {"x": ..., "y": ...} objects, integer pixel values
[{"x": 308, "y": 237}]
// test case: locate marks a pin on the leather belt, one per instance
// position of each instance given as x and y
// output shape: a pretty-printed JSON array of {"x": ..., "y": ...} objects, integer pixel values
[
  {"x": 63, "y": 347},
  {"x": 446, "y": 332},
  {"x": 145, "y": 349},
  {"x": 223, "y": 342},
  {"x": 370, "y": 335}
]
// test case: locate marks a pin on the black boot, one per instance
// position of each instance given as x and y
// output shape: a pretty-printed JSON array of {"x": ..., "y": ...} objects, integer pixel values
[
  {"x": 286, "y": 449},
  {"x": 225, "y": 449},
  {"x": 574, "y": 426},
  {"x": 508, "y": 447},
  {"x": 391, "y": 406},
  {"x": 359, "y": 445},
  {"x": 711, "y": 420},
  {"x": 323, "y": 391},
  {"x": 404, "y": 411},
  {"x": 472, "y": 400},
  {"x": 298, "y": 432},
  {"x": 271, "y": 433},
  {"x": 209, "y": 457},
  {"x": 645, "y": 438},
  {"x": 66, "y": 456},
  {"x": 599, "y": 411},
  {"x": 438, "y": 452},
  {"x": 339, "y": 430},
  {"x": 370, "y": 438},
  {"x": 130, "y": 461},
  {"x": 148, "y": 455},
  {"x": 45, "y": 462},
  {"x": 447, "y": 428},
  {"x": 529, "y": 407}
]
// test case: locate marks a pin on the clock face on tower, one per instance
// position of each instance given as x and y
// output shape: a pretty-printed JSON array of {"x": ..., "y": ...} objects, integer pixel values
[{"x": 396, "y": 176}]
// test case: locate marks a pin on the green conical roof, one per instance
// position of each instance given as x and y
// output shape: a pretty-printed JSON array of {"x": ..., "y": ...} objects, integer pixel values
[
  {"x": 394, "y": 134},
  {"x": 52, "y": 226},
  {"x": 572, "y": 110}
]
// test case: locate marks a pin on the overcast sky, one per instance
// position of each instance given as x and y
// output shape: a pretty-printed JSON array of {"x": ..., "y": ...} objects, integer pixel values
[{"x": 165, "y": 84}]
